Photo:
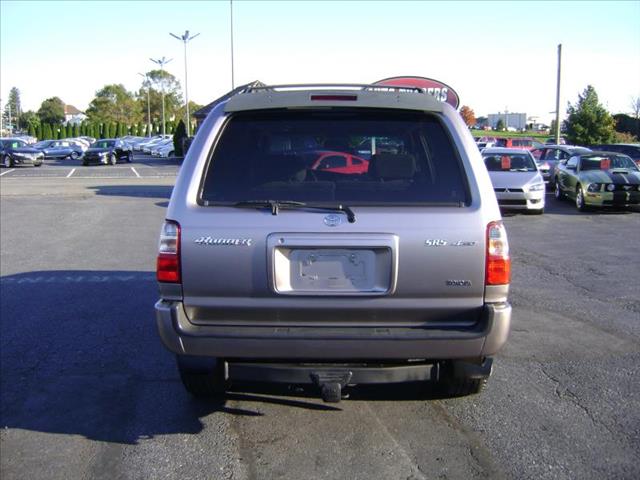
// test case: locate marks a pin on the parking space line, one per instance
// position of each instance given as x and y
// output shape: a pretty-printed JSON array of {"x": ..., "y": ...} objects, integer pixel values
[
  {"x": 8, "y": 171},
  {"x": 71, "y": 172},
  {"x": 134, "y": 171}
]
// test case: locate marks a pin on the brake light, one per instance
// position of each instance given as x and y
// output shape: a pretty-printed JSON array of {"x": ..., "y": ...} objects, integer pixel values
[
  {"x": 498, "y": 271},
  {"x": 344, "y": 98},
  {"x": 168, "y": 264}
]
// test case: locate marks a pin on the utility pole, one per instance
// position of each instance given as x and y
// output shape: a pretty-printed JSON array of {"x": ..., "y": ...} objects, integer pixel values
[
  {"x": 185, "y": 38},
  {"x": 232, "y": 79},
  {"x": 148, "y": 85},
  {"x": 162, "y": 62},
  {"x": 557, "y": 132}
]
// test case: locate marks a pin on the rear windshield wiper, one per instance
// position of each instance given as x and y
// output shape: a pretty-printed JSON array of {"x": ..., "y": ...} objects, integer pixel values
[{"x": 277, "y": 205}]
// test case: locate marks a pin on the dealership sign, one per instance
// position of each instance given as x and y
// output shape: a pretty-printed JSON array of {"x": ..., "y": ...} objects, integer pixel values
[{"x": 441, "y": 91}]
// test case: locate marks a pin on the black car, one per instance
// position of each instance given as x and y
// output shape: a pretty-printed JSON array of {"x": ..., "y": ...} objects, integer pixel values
[
  {"x": 107, "y": 151},
  {"x": 14, "y": 152}
]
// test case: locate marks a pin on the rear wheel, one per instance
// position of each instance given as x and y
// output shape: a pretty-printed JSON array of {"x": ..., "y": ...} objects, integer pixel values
[
  {"x": 74, "y": 155},
  {"x": 129, "y": 157},
  {"x": 7, "y": 161},
  {"x": 459, "y": 379},
  {"x": 557, "y": 191},
  {"x": 203, "y": 376},
  {"x": 37, "y": 164},
  {"x": 113, "y": 159}
]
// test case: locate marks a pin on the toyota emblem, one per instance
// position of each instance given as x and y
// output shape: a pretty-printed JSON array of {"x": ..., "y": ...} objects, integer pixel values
[{"x": 332, "y": 220}]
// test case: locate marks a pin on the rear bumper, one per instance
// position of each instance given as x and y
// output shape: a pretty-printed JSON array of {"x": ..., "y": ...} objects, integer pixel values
[{"x": 180, "y": 336}]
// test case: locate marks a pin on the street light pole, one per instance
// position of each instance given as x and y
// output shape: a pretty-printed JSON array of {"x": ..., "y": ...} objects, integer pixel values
[
  {"x": 146, "y": 80},
  {"x": 557, "y": 132},
  {"x": 232, "y": 79},
  {"x": 162, "y": 62},
  {"x": 185, "y": 38}
]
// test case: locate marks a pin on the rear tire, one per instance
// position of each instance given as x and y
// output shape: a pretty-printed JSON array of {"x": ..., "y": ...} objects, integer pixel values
[
  {"x": 557, "y": 191},
  {"x": 74, "y": 155},
  {"x": 37, "y": 164},
  {"x": 129, "y": 157},
  {"x": 203, "y": 376},
  {"x": 454, "y": 384},
  {"x": 113, "y": 159},
  {"x": 7, "y": 161}
]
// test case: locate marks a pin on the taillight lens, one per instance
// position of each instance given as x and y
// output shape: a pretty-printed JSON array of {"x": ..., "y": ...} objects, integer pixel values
[
  {"x": 168, "y": 264},
  {"x": 498, "y": 260}
]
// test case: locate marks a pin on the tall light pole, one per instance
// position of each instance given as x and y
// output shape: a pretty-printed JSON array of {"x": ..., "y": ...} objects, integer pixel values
[
  {"x": 185, "y": 38},
  {"x": 162, "y": 62},
  {"x": 232, "y": 80},
  {"x": 146, "y": 81},
  {"x": 557, "y": 132}
]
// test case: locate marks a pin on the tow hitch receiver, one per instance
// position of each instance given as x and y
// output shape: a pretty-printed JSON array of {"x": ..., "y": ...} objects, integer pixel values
[{"x": 331, "y": 383}]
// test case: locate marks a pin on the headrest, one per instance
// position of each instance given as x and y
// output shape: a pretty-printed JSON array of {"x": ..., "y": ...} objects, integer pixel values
[{"x": 392, "y": 166}]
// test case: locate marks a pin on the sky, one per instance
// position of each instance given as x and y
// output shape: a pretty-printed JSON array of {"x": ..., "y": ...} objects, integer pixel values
[{"x": 497, "y": 55}]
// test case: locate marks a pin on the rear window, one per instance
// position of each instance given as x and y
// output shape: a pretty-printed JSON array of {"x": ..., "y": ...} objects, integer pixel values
[
  {"x": 334, "y": 157},
  {"x": 509, "y": 162}
]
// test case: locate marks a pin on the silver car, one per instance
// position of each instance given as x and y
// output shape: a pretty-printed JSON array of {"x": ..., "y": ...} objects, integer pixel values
[
  {"x": 394, "y": 268},
  {"x": 516, "y": 180}
]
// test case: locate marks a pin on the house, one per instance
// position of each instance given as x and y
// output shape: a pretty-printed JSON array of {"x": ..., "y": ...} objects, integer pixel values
[{"x": 73, "y": 116}]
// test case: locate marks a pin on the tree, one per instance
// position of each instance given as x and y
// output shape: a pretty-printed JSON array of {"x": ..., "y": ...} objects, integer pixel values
[
  {"x": 588, "y": 122},
  {"x": 113, "y": 103},
  {"x": 178, "y": 139},
  {"x": 159, "y": 80},
  {"x": 500, "y": 125},
  {"x": 468, "y": 116},
  {"x": 29, "y": 120},
  {"x": 52, "y": 111},
  {"x": 47, "y": 132},
  {"x": 635, "y": 107},
  {"x": 13, "y": 109}
]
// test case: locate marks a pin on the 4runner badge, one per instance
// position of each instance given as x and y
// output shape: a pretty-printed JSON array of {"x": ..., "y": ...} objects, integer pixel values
[{"x": 236, "y": 242}]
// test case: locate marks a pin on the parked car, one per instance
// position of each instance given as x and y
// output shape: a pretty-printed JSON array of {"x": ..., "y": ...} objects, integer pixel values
[
  {"x": 14, "y": 151},
  {"x": 629, "y": 149},
  {"x": 524, "y": 143},
  {"x": 107, "y": 151},
  {"x": 167, "y": 150},
  {"x": 598, "y": 179},
  {"x": 62, "y": 149},
  {"x": 517, "y": 183},
  {"x": 269, "y": 270},
  {"x": 338, "y": 162},
  {"x": 547, "y": 158},
  {"x": 154, "y": 149}
]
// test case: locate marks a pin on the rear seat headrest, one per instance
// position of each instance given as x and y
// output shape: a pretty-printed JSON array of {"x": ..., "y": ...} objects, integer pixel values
[{"x": 392, "y": 166}]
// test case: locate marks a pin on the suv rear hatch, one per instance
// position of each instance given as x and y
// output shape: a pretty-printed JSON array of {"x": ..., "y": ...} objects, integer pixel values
[{"x": 337, "y": 217}]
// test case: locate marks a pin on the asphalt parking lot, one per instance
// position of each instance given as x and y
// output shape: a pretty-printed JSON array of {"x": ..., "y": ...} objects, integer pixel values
[{"x": 87, "y": 390}]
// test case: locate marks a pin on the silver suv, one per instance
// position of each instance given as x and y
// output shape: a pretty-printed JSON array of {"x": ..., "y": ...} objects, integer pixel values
[{"x": 333, "y": 236}]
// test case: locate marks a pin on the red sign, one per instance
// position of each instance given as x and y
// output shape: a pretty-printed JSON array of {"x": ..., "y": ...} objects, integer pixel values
[
  {"x": 505, "y": 162},
  {"x": 441, "y": 91},
  {"x": 605, "y": 164}
]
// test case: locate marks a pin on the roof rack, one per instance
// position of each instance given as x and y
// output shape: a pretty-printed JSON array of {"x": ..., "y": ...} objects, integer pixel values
[{"x": 331, "y": 86}]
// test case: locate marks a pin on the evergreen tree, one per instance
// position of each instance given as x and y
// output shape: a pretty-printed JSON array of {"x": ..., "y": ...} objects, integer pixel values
[
  {"x": 588, "y": 122},
  {"x": 122, "y": 130},
  {"x": 39, "y": 132},
  {"x": 178, "y": 139},
  {"x": 76, "y": 130},
  {"x": 47, "y": 132},
  {"x": 113, "y": 129},
  {"x": 52, "y": 111},
  {"x": 32, "y": 131}
]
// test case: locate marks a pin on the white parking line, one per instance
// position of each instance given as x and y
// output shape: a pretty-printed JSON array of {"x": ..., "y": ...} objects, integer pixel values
[
  {"x": 8, "y": 171},
  {"x": 71, "y": 172},
  {"x": 134, "y": 171}
]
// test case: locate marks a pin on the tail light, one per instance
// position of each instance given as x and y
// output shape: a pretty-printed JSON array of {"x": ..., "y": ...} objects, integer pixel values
[
  {"x": 168, "y": 264},
  {"x": 498, "y": 260}
]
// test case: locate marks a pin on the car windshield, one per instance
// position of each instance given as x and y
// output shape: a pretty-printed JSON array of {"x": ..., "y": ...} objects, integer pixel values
[
  {"x": 607, "y": 162},
  {"x": 509, "y": 162},
  {"x": 334, "y": 157},
  {"x": 103, "y": 144}
]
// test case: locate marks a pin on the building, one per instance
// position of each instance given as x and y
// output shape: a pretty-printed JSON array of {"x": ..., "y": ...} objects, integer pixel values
[
  {"x": 517, "y": 121},
  {"x": 73, "y": 116}
]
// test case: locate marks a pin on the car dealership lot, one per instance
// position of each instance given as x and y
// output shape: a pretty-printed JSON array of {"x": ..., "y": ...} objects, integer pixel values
[{"x": 87, "y": 390}]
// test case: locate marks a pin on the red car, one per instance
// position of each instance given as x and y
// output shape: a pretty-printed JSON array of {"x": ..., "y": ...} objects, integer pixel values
[
  {"x": 524, "y": 143},
  {"x": 340, "y": 162}
]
